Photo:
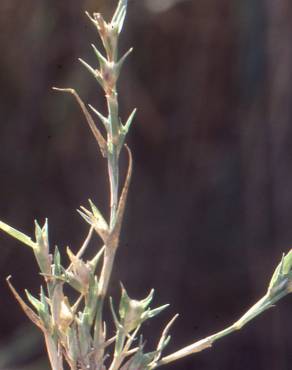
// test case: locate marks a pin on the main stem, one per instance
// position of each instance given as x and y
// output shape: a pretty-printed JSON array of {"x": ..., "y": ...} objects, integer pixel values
[
  {"x": 113, "y": 171},
  {"x": 113, "y": 155}
]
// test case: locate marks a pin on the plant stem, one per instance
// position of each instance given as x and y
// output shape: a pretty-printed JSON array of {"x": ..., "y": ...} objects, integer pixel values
[
  {"x": 118, "y": 359},
  {"x": 113, "y": 171},
  {"x": 262, "y": 305},
  {"x": 113, "y": 155}
]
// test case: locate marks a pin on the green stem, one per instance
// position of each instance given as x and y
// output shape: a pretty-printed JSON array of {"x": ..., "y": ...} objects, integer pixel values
[
  {"x": 113, "y": 165},
  {"x": 113, "y": 139},
  {"x": 262, "y": 305},
  {"x": 113, "y": 154}
]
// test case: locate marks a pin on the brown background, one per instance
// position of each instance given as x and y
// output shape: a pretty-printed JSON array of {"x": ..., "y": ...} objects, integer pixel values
[{"x": 210, "y": 204}]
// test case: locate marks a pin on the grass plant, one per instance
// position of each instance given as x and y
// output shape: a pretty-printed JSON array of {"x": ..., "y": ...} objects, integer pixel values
[{"x": 75, "y": 332}]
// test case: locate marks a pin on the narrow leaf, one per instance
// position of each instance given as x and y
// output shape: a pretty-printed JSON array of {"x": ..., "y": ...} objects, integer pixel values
[
  {"x": 101, "y": 59},
  {"x": 127, "y": 125},
  {"x": 121, "y": 62},
  {"x": 103, "y": 119},
  {"x": 93, "y": 263},
  {"x": 156, "y": 311},
  {"x": 121, "y": 4},
  {"x": 96, "y": 133},
  {"x": 119, "y": 15},
  {"x": 17, "y": 235},
  {"x": 96, "y": 74},
  {"x": 34, "y": 301},
  {"x": 26, "y": 309}
]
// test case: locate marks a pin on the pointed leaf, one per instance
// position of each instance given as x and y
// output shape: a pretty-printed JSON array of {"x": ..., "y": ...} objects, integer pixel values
[
  {"x": 17, "y": 234},
  {"x": 34, "y": 301},
  {"x": 121, "y": 4},
  {"x": 103, "y": 119},
  {"x": 85, "y": 215},
  {"x": 121, "y": 62},
  {"x": 146, "y": 301},
  {"x": 164, "y": 339},
  {"x": 93, "y": 263},
  {"x": 26, "y": 309},
  {"x": 119, "y": 15},
  {"x": 156, "y": 311},
  {"x": 96, "y": 133},
  {"x": 127, "y": 125},
  {"x": 101, "y": 59},
  {"x": 96, "y": 74}
]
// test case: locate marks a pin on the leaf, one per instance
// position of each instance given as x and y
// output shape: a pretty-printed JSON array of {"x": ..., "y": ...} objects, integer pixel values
[
  {"x": 101, "y": 59},
  {"x": 17, "y": 234},
  {"x": 164, "y": 339},
  {"x": 119, "y": 15},
  {"x": 96, "y": 74},
  {"x": 93, "y": 263},
  {"x": 121, "y": 62},
  {"x": 42, "y": 308},
  {"x": 26, "y": 309},
  {"x": 127, "y": 125},
  {"x": 34, "y": 301},
  {"x": 125, "y": 128},
  {"x": 96, "y": 133},
  {"x": 103, "y": 119},
  {"x": 156, "y": 311}
]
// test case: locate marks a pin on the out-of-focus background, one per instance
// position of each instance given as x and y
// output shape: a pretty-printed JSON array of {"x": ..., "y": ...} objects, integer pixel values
[{"x": 210, "y": 205}]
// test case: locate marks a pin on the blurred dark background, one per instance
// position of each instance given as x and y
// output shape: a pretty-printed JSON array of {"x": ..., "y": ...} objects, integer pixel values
[{"x": 210, "y": 204}]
